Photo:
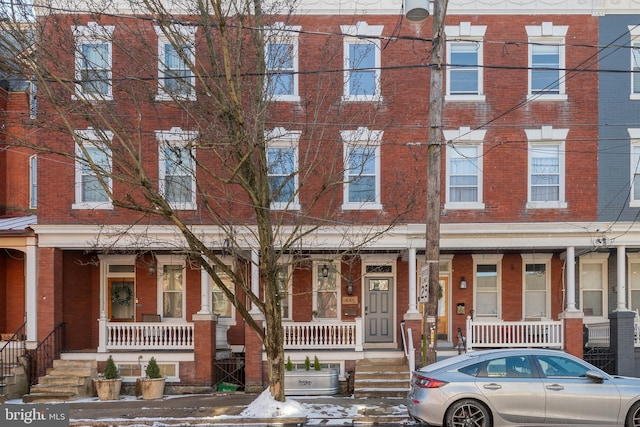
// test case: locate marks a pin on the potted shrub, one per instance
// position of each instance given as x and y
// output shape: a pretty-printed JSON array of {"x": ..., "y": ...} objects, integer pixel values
[
  {"x": 109, "y": 383},
  {"x": 152, "y": 385},
  {"x": 304, "y": 381}
]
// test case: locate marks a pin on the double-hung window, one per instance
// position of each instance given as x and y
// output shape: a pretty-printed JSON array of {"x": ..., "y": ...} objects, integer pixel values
[
  {"x": 634, "y": 134},
  {"x": 464, "y": 80},
  {"x": 487, "y": 285},
  {"x": 464, "y": 169},
  {"x": 93, "y": 179},
  {"x": 593, "y": 284},
  {"x": 546, "y": 61},
  {"x": 176, "y": 61},
  {"x": 177, "y": 168},
  {"x": 536, "y": 283},
  {"x": 93, "y": 61},
  {"x": 546, "y": 174},
  {"x": 361, "y": 169},
  {"x": 282, "y": 159},
  {"x": 171, "y": 287},
  {"x": 284, "y": 290},
  {"x": 325, "y": 297},
  {"x": 281, "y": 51},
  {"x": 362, "y": 62},
  {"x": 634, "y": 280}
]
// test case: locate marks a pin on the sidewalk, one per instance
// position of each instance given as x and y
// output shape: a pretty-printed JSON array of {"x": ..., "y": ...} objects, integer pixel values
[{"x": 224, "y": 409}]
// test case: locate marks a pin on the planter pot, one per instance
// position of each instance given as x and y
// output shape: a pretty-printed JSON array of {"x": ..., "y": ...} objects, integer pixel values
[
  {"x": 300, "y": 383},
  {"x": 108, "y": 389},
  {"x": 150, "y": 388}
]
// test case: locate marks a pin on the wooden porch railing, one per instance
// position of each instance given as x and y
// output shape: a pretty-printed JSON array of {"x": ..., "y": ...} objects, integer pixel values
[
  {"x": 149, "y": 336},
  {"x": 499, "y": 334},
  {"x": 313, "y": 335}
]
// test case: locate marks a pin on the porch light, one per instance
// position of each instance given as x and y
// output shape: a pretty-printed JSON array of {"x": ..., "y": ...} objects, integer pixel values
[
  {"x": 416, "y": 10},
  {"x": 463, "y": 283},
  {"x": 152, "y": 270},
  {"x": 325, "y": 271},
  {"x": 349, "y": 288}
]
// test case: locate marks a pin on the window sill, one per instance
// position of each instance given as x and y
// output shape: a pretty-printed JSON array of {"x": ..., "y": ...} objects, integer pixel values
[
  {"x": 459, "y": 206},
  {"x": 546, "y": 205},
  {"x": 88, "y": 97},
  {"x": 166, "y": 97},
  {"x": 547, "y": 97},
  {"x": 634, "y": 97},
  {"x": 285, "y": 206},
  {"x": 465, "y": 98},
  {"x": 362, "y": 98},
  {"x": 361, "y": 206},
  {"x": 92, "y": 206},
  {"x": 284, "y": 98},
  {"x": 183, "y": 206}
]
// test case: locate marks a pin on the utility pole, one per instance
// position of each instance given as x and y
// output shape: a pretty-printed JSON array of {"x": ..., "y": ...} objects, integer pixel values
[{"x": 436, "y": 100}]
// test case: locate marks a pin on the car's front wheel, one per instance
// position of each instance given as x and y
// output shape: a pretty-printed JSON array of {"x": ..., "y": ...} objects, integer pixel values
[
  {"x": 633, "y": 416},
  {"x": 468, "y": 413}
]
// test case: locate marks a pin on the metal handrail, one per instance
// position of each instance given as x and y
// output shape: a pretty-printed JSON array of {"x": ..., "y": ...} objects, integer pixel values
[
  {"x": 12, "y": 354},
  {"x": 409, "y": 350},
  {"x": 41, "y": 358}
]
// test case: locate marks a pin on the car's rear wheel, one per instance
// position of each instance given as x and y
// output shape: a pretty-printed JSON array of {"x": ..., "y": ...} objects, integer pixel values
[
  {"x": 468, "y": 413},
  {"x": 633, "y": 416}
]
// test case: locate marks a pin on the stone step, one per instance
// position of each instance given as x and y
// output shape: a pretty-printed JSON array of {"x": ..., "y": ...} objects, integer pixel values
[
  {"x": 381, "y": 378},
  {"x": 60, "y": 363},
  {"x": 391, "y": 376},
  {"x": 72, "y": 371},
  {"x": 56, "y": 388},
  {"x": 49, "y": 397},
  {"x": 62, "y": 380},
  {"x": 381, "y": 393}
]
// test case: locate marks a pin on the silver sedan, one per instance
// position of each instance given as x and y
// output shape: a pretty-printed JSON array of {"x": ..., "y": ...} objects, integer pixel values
[{"x": 523, "y": 387}]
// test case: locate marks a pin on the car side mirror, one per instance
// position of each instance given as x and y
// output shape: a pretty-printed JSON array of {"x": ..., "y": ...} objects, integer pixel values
[{"x": 595, "y": 376}]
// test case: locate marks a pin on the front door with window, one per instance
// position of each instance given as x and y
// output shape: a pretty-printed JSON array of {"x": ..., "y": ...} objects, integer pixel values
[
  {"x": 379, "y": 325},
  {"x": 121, "y": 299}
]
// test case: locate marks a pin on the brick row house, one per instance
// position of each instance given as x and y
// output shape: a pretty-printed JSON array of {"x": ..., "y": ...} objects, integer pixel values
[{"x": 523, "y": 241}]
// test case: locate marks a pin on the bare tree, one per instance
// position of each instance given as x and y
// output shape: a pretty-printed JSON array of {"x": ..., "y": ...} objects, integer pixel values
[{"x": 196, "y": 84}]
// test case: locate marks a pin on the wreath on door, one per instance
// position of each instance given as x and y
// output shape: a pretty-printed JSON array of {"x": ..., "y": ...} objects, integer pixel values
[{"x": 121, "y": 295}]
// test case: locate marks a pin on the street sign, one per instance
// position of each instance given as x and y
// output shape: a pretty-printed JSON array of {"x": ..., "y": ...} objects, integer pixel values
[{"x": 424, "y": 284}]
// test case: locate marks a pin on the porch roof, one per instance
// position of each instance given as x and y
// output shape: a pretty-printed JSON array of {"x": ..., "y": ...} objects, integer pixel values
[{"x": 19, "y": 224}]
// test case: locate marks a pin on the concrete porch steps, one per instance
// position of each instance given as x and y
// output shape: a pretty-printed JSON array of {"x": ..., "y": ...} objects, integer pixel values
[
  {"x": 381, "y": 378},
  {"x": 67, "y": 380}
]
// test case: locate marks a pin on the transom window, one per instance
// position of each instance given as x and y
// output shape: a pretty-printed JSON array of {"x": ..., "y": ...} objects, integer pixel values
[{"x": 362, "y": 62}]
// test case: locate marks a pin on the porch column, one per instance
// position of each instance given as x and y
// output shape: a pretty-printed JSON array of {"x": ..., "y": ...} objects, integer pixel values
[
  {"x": 622, "y": 279},
  {"x": 204, "y": 331},
  {"x": 205, "y": 294},
  {"x": 102, "y": 320},
  {"x": 31, "y": 272},
  {"x": 255, "y": 277},
  {"x": 571, "y": 279},
  {"x": 412, "y": 312}
]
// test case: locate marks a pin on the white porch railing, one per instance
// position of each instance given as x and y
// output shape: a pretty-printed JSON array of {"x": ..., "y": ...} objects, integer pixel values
[
  {"x": 496, "y": 333},
  {"x": 598, "y": 334},
  {"x": 330, "y": 335},
  {"x": 149, "y": 336}
]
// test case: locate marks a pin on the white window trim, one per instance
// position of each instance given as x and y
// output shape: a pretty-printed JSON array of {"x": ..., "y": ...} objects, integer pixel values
[
  {"x": 355, "y": 34},
  {"x": 547, "y": 135},
  {"x": 464, "y": 136},
  {"x": 634, "y": 135},
  {"x": 176, "y": 136},
  {"x": 488, "y": 259},
  {"x": 465, "y": 33},
  {"x": 161, "y": 261},
  {"x": 33, "y": 181},
  {"x": 547, "y": 33},
  {"x": 597, "y": 258},
  {"x": 634, "y": 32},
  {"x": 336, "y": 266},
  {"x": 361, "y": 137},
  {"x": 228, "y": 321},
  {"x": 537, "y": 258},
  {"x": 90, "y": 136},
  {"x": 187, "y": 35},
  {"x": 632, "y": 258},
  {"x": 280, "y": 33},
  {"x": 91, "y": 33},
  {"x": 282, "y": 138}
]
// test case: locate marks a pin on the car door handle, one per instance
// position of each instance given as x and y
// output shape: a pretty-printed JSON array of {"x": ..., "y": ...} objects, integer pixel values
[
  {"x": 555, "y": 387},
  {"x": 492, "y": 386}
]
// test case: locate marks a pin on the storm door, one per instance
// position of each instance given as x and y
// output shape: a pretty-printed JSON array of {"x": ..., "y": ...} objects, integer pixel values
[
  {"x": 121, "y": 299},
  {"x": 379, "y": 310}
]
